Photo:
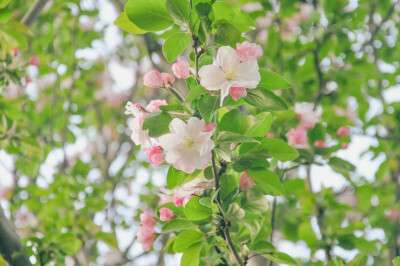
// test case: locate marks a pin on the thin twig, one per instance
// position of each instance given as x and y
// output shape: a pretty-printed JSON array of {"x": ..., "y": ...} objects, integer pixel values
[{"x": 33, "y": 12}]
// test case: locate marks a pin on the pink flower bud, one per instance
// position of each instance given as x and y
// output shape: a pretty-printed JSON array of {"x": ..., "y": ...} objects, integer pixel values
[
  {"x": 153, "y": 79},
  {"x": 155, "y": 155},
  {"x": 147, "y": 219},
  {"x": 15, "y": 52},
  {"x": 345, "y": 145},
  {"x": 27, "y": 80},
  {"x": 247, "y": 51},
  {"x": 34, "y": 61},
  {"x": 166, "y": 214},
  {"x": 298, "y": 137},
  {"x": 154, "y": 105},
  {"x": 343, "y": 132},
  {"x": 269, "y": 135},
  {"x": 393, "y": 215},
  {"x": 237, "y": 92},
  {"x": 168, "y": 79},
  {"x": 146, "y": 237},
  {"x": 319, "y": 143},
  {"x": 210, "y": 128},
  {"x": 246, "y": 181},
  {"x": 181, "y": 69},
  {"x": 181, "y": 200}
]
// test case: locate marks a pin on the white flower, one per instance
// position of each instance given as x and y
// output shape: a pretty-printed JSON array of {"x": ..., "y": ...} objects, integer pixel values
[
  {"x": 232, "y": 73},
  {"x": 188, "y": 146},
  {"x": 139, "y": 136},
  {"x": 307, "y": 115}
]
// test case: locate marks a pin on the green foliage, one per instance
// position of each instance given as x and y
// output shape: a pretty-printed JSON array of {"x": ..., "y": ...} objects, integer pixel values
[
  {"x": 157, "y": 123},
  {"x": 175, "y": 45}
]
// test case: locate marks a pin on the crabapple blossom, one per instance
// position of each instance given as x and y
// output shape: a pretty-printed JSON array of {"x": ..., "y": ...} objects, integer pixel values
[
  {"x": 139, "y": 136},
  {"x": 231, "y": 73},
  {"x": 181, "y": 69},
  {"x": 147, "y": 219},
  {"x": 345, "y": 145},
  {"x": 146, "y": 237},
  {"x": 166, "y": 214},
  {"x": 319, "y": 143},
  {"x": 164, "y": 196},
  {"x": 343, "y": 131},
  {"x": 15, "y": 52},
  {"x": 246, "y": 181},
  {"x": 180, "y": 199},
  {"x": 298, "y": 137},
  {"x": 307, "y": 115},
  {"x": 247, "y": 51},
  {"x": 154, "y": 105},
  {"x": 168, "y": 79},
  {"x": 34, "y": 61},
  {"x": 155, "y": 155},
  {"x": 187, "y": 147},
  {"x": 153, "y": 79},
  {"x": 210, "y": 127},
  {"x": 237, "y": 92},
  {"x": 269, "y": 135}
]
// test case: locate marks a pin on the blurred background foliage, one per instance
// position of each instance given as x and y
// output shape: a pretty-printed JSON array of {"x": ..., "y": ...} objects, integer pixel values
[{"x": 72, "y": 181}]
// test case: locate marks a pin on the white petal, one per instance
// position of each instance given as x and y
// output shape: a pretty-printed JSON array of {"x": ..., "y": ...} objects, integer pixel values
[
  {"x": 228, "y": 59},
  {"x": 211, "y": 77},
  {"x": 177, "y": 126},
  {"x": 169, "y": 142},
  {"x": 225, "y": 90},
  {"x": 194, "y": 126},
  {"x": 248, "y": 75}
]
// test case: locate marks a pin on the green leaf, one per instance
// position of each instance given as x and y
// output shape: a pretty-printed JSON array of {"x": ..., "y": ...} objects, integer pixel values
[
  {"x": 227, "y": 33},
  {"x": 265, "y": 100},
  {"x": 306, "y": 233},
  {"x": 196, "y": 211},
  {"x": 396, "y": 261},
  {"x": 175, "y": 45},
  {"x": 207, "y": 106},
  {"x": 173, "y": 176},
  {"x": 69, "y": 243},
  {"x": 272, "y": 81},
  {"x": 231, "y": 137},
  {"x": 248, "y": 161},
  {"x": 5, "y": 15},
  {"x": 268, "y": 180},
  {"x": 281, "y": 258},
  {"x": 171, "y": 107},
  {"x": 15, "y": 38},
  {"x": 231, "y": 121},
  {"x": 177, "y": 225},
  {"x": 261, "y": 126},
  {"x": 124, "y": 23},
  {"x": 149, "y": 15},
  {"x": 234, "y": 15},
  {"x": 191, "y": 256},
  {"x": 263, "y": 247},
  {"x": 157, "y": 123},
  {"x": 279, "y": 149},
  {"x": 4, "y": 3},
  {"x": 195, "y": 93},
  {"x": 186, "y": 239},
  {"x": 229, "y": 186},
  {"x": 179, "y": 9},
  {"x": 318, "y": 132},
  {"x": 254, "y": 201},
  {"x": 108, "y": 238},
  {"x": 341, "y": 166}
]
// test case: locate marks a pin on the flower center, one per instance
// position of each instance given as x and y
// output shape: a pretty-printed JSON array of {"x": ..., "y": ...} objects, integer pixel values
[
  {"x": 187, "y": 143},
  {"x": 232, "y": 74}
]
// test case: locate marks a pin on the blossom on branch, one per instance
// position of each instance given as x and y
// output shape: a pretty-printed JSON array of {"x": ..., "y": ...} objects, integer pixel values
[
  {"x": 188, "y": 147},
  {"x": 307, "y": 115},
  {"x": 231, "y": 73},
  {"x": 298, "y": 138},
  {"x": 181, "y": 69}
]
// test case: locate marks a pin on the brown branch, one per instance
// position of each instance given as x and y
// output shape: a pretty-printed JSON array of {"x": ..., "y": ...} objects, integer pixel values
[
  {"x": 11, "y": 247},
  {"x": 33, "y": 12}
]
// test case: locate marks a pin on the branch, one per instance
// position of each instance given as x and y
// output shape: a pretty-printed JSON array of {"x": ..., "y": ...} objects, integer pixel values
[
  {"x": 33, "y": 12},
  {"x": 11, "y": 247}
]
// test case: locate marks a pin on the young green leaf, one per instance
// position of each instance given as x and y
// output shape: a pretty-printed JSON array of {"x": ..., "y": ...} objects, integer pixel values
[
  {"x": 281, "y": 258},
  {"x": 157, "y": 123},
  {"x": 265, "y": 100},
  {"x": 186, "y": 239},
  {"x": 231, "y": 121},
  {"x": 231, "y": 137},
  {"x": 173, "y": 176},
  {"x": 254, "y": 201},
  {"x": 268, "y": 180},
  {"x": 207, "y": 106},
  {"x": 179, "y": 9},
  {"x": 149, "y": 15},
  {"x": 196, "y": 211},
  {"x": 191, "y": 256},
  {"x": 177, "y": 225},
  {"x": 272, "y": 81},
  {"x": 279, "y": 149},
  {"x": 227, "y": 33},
  {"x": 5, "y": 15},
  {"x": 124, "y": 23},
  {"x": 234, "y": 15},
  {"x": 261, "y": 127},
  {"x": 341, "y": 166},
  {"x": 195, "y": 93},
  {"x": 175, "y": 45}
]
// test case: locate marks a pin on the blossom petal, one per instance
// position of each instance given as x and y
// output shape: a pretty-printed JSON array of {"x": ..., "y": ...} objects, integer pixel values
[
  {"x": 177, "y": 126},
  {"x": 228, "y": 59},
  {"x": 248, "y": 74},
  {"x": 194, "y": 126},
  {"x": 211, "y": 77}
]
